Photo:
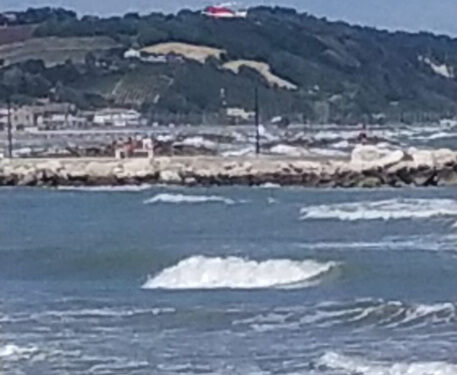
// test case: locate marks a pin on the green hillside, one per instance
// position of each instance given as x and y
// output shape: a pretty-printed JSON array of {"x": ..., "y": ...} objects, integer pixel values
[{"x": 343, "y": 73}]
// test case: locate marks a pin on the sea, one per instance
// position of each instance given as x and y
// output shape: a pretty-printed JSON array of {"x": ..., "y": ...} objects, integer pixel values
[{"x": 228, "y": 280}]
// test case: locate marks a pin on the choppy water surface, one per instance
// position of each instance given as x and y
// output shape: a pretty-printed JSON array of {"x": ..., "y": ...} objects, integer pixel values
[
  {"x": 228, "y": 281},
  {"x": 298, "y": 140}
]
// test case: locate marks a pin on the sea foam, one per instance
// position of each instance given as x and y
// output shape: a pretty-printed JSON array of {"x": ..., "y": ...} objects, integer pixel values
[
  {"x": 358, "y": 365},
  {"x": 358, "y": 315},
  {"x": 393, "y": 209},
  {"x": 11, "y": 352},
  {"x": 192, "y": 199},
  {"x": 199, "y": 272},
  {"x": 389, "y": 314},
  {"x": 103, "y": 313}
]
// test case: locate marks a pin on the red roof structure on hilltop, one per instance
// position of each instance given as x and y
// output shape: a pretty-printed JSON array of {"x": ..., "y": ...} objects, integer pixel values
[{"x": 222, "y": 12}]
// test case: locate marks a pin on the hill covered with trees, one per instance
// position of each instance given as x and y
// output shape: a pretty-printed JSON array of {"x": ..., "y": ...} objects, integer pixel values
[{"x": 337, "y": 72}]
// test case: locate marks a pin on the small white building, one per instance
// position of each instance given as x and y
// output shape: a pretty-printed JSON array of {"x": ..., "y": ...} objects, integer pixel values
[
  {"x": 55, "y": 121},
  {"x": 132, "y": 54},
  {"x": 240, "y": 113},
  {"x": 117, "y": 117}
]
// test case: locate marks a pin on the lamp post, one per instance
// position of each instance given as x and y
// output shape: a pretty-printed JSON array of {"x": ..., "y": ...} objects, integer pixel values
[
  {"x": 6, "y": 93},
  {"x": 257, "y": 124},
  {"x": 9, "y": 128}
]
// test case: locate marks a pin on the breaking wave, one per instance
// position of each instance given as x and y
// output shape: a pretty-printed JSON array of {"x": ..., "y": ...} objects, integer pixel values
[
  {"x": 389, "y": 314},
  {"x": 193, "y": 199},
  {"x": 103, "y": 313},
  {"x": 436, "y": 135},
  {"x": 11, "y": 352},
  {"x": 198, "y": 141},
  {"x": 199, "y": 272},
  {"x": 357, "y": 315},
  {"x": 411, "y": 243},
  {"x": 393, "y": 209},
  {"x": 361, "y": 366},
  {"x": 284, "y": 149},
  {"x": 269, "y": 185}
]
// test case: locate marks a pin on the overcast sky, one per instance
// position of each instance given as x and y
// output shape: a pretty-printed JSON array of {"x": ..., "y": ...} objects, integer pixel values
[{"x": 438, "y": 16}]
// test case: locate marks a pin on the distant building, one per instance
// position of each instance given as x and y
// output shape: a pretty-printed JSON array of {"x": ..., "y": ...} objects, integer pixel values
[
  {"x": 58, "y": 121},
  {"x": 117, "y": 117},
  {"x": 54, "y": 116},
  {"x": 132, "y": 54},
  {"x": 240, "y": 113},
  {"x": 448, "y": 122},
  {"x": 237, "y": 116},
  {"x": 21, "y": 118},
  {"x": 44, "y": 116},
  {"x": 281, "y": 121},
  {"x": 322, "y": 112},
  {"x": 8, "y": 18},
  {"x": 218, "y": 11}
]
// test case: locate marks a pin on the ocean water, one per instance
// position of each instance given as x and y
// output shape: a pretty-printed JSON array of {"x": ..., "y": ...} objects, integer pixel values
[{"x": 234, "y": 280}]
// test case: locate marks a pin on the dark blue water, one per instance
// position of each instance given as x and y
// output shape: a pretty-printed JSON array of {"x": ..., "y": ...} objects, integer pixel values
[{"x": 228, "y": 281}]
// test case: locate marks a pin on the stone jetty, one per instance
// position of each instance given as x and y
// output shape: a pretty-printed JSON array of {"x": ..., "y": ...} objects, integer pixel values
[{"x": 367, "y": 167}]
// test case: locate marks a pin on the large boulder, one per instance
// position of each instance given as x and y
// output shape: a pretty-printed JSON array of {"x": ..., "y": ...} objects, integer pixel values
[
  {"x": 432, "y": 158},
  {"x": 444, "y": 157},
  {"x": 421, "y": 158},
  {"x": 372, "y": 157},
  {"x": 99, "y": 169},
  {"x": 446, "y": 176},
  {"x": 52, "y": 165},
  {"x": 169, "y": 177},
  {"x": 28, "y": 179}
]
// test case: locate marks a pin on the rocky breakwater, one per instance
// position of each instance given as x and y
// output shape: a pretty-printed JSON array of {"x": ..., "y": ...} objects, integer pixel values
[{"x": 368, "y": 166}]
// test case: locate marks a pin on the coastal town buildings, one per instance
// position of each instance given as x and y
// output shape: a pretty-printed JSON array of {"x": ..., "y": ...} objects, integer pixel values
[
  {"x": 117, "y": 117},
  {"x": 21, "y": 118},
  {"x": 49, "y": 116},
  {"x": 60, "y": 116}
]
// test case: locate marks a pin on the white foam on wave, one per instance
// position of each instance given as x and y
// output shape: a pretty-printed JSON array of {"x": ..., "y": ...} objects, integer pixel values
[
  {"x": 238, "y": 152},
  {"x": 200, "y": 272},
  {"x": 331, "y": 135},
  {"x": 283, "y": 149},
  {"x": 361, "y": 366},
  {"x": 389, "y": 314},
  {"x": 341, "y": 145},
  {"x": 433, "y": 242},
  {"x": 11, "y": 352},
  {"x": 436, "y": 135},
  {"x": 106, "y": 189},
  {"x": 359, "y": 314},
  {"x": 269, "y": 185},
  {"x": 438, "y": 312},
  {"x": 198, "y": 141},
  {"x": 271, "y": 200},
  {"x": 103, "y": 313},
  {"x": 193, "y": 199},
  {"x": 382, "y": 210},
  {"x": 328, "y": 152}
]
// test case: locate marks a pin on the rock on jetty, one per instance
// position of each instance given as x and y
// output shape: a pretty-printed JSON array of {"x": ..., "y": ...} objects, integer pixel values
[{"x": 368, "y": 166}]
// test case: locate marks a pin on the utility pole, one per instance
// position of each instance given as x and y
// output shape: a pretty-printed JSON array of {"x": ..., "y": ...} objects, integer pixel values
[
  {"x": 257, "y": 124},
  {"x": 10, "y": 132}
]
